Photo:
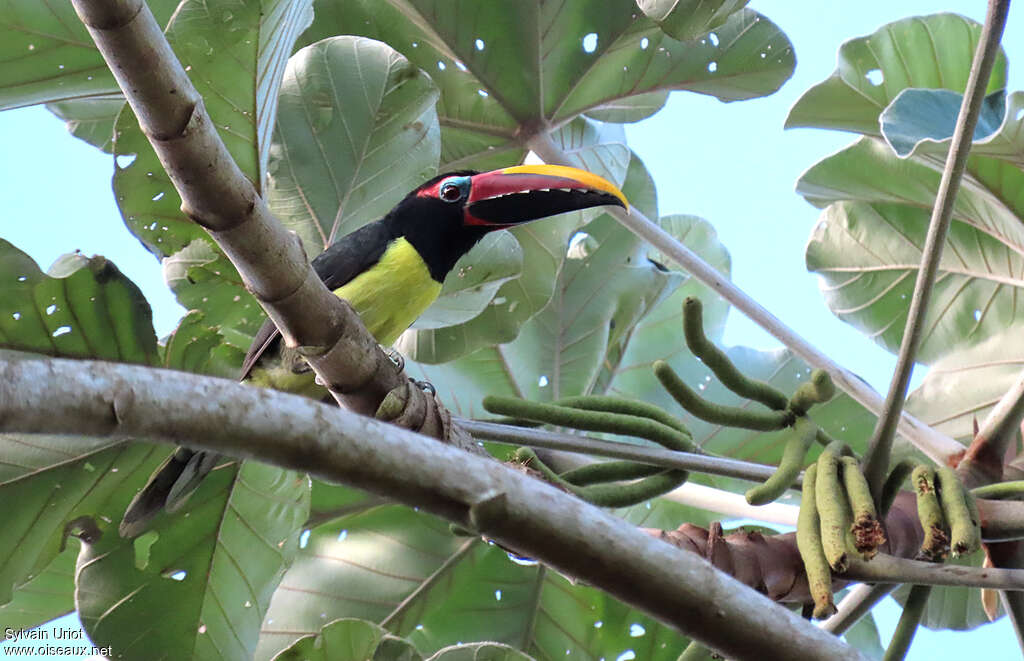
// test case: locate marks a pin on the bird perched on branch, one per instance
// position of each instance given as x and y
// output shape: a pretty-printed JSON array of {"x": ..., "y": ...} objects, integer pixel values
[{"x": 390, "y": 271}]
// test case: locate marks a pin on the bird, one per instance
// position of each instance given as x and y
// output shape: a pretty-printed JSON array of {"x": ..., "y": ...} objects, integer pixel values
[{"x": 390, "y": 271}]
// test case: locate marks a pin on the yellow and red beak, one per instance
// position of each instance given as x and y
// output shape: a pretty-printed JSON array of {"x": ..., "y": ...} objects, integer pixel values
[{"x": 511, "y": 196}]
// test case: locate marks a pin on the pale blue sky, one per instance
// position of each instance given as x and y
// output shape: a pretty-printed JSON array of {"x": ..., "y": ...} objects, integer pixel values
[{"x": 730, "y": 163}]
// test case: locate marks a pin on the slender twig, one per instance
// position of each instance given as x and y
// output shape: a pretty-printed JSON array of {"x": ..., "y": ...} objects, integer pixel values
[
  {"x": 887, "y": 569},
  {"x": 54, "y": 396},
  {"x": 936, "y": 445},
  {"x": 855, "y": 605},
  {"x": 539, "y": 438},
  {"x": 913, "y": 609},
  {"x": 877, "y": 458}
]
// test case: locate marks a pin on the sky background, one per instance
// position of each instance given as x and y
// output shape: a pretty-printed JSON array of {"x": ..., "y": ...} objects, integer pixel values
[{"x": 732, "y": 164}]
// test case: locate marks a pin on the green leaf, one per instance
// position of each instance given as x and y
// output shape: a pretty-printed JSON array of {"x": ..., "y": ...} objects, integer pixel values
[
  {"x": 350, "y": 639},
  {"x": 629, "y": 109},
  {"x": 218, "y": 561},
  {"x": 689, "y": 19},
  {"x": 471, "y": 285},
  {"x": 337, "y": 164},
  {"x": 45, "y": 596},
  {"x": 966, "y": 384},
  {"x": 90, "y": 119},
  {"x": 598, "y": 147},
  {"x": 56, "y": 480},
  {"x": 46, "y": 53},
  {"x": 869, "y": 253},
  {"x": 85, "y": 308},
  {"x": 480, "y": 652},
  {"x": 924, "y": 51},
  {"x": 195, "y": 346},
  {"x": 404, "y": 570},
  {"x": 592, "y": 55},
  {"x": 918, "y": 117},
  {"x": 203, "y": 279}
]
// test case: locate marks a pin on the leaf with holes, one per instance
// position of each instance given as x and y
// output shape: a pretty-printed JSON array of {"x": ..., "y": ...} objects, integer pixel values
[
  {"x": 597, "y": 147},
  {"x": 350, "y": 639},
  {"x": 336, "y": 164},
  {"x": 218, "y": 560},
  {"x": 235, "y": 54},
  {"x": 84, "y": 308},
  {"x": 689, "y": 19},
  {"x": 404, "y": 570},
  {"x": 46, "y": 53},
  {"x": 91, "y": 119},
  {"x": 593, "y": 54},
  {"x": 61, "y": 484},
  {"x": 924, "y": 51}
]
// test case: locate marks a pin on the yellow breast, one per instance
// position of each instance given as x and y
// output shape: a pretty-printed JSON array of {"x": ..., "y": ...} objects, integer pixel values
[{"x": 390, "y": 296}]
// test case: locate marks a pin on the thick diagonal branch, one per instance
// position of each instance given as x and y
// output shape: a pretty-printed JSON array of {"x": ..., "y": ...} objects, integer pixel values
[
  {"x": 54, "y": 396},
  {"x": 217, "y": 195}
]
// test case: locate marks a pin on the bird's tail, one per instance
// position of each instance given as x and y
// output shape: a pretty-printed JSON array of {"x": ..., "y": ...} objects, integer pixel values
[{"x": 168, "y": 488}]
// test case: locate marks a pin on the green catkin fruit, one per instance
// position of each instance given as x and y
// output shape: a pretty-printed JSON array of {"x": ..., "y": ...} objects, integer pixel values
[
  {"x": 808, "y": 541},
  {"x": 729, "y": 416},
  {"x": 718, "y": 362},
  {"x": 818, "y": 390},
  {"x": 789, "y": 467},
  {"x": 833, "y": 508},
  {"x": 599, "y": 421},
  {"x": 867, "y": 531},
  {"x": 965, "y": 533},
  {"x": 935, "y": 546}
]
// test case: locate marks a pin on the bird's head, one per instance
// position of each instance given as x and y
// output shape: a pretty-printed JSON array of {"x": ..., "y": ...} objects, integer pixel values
[
  {"x": 504, "y": 198},
  {"x": 449, "y": 214}
]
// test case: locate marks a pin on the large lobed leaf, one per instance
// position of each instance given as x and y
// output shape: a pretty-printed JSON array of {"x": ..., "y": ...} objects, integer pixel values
[{"x": 506, "y": 66}]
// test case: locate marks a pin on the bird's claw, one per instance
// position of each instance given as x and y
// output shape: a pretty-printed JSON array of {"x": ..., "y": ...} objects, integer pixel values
[
  {"x": 425, "y": 386},
  {"x": 395, "y": 357}
]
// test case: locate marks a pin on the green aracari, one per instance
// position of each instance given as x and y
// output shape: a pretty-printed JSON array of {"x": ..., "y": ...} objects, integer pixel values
[{"x": 390, "y": 271}]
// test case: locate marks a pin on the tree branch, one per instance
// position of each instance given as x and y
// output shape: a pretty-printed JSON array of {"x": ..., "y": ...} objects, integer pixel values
[
  {"x": 550, "y": 440},
  {"x": 876, "y": 460},
  {"x": 936, "y": 445},
  {"x": 54, "y": 396},
  {"x": 217, "y": 195}
]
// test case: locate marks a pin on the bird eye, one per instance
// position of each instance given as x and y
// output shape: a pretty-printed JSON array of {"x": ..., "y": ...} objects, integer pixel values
[{"x": 454, "y": 189}]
